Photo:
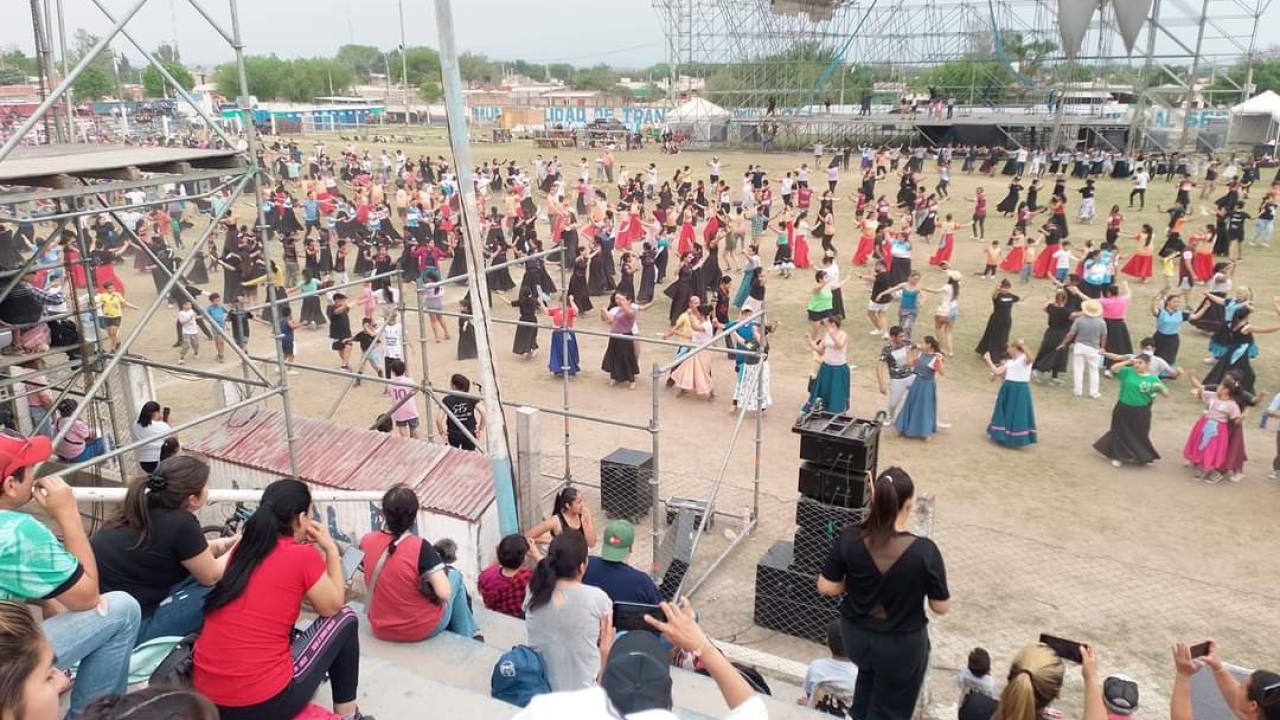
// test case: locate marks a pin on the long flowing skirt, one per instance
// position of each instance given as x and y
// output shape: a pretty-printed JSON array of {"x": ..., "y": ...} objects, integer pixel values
[
  {"x": 311, "y": 312},
  {"x": 1118, "y": 340},
  {"x": 466, "y": 340},
  {"x": 866, "y": 248},
  {"x": 745, "y": 393},
  {"x": 557, "y": 360},
  {"x": 500, "y": 280},
  {"x": 1235, "y": 357},
  {"x": 831, "y": 386},
  {"x": 648, "y": 278},
  {"x": 525, "y": 341},
  {"x": 1129, "y": 439},
  {"x": 1166, "y": 347},
  {"x": 694, "y": 374},
  {"x": 1014, "y": 260},
  {"x": 1049, "y": 358},
  {"x": 1045, "y": 264},
  {"x": 918, "y": 417},
  {"x": 1213, "y": 316},
  {"x": 620, "y": 360},
  {"x": 995, "y": 339},
  {"x": 1139, "y": 266},
  {"x": 1013, "y": 421},
  {"x": 578, "y": 291},
  {"x": 1206, "y": 445},
  {"x": 943, "y": 253}
]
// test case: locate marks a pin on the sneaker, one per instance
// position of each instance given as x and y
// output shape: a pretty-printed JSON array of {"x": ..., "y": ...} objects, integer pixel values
[
  {"x": 943, "y": 426},
  {"x": 1056, "y": 382},
  {"x": 182, "y": 361},
  {"x": 1273, "y": 475},
  {"x": 1095, "y": 396},
  {"x": 1214, "y": 478},
  {"x": 219, "y": 358},
  {"x": 1116, "y": 464},
  {"x": 293, "y": 372},
  {"x": 875, "y": 332}
]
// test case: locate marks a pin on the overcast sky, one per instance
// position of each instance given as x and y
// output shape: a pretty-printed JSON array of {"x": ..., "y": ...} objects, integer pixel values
[{"x": 619, "y": 32}]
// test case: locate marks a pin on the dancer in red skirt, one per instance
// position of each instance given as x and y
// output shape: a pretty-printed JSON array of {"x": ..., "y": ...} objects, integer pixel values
[
  {"x": 867, "y": 242},
  {"x": 687, "y": 238},
  {"x": 1045, "y": 263},
  {"x": 1012, "y": 262},
  {"x": 942, "y": 256},
  {"x": 1139, "y": 265},
  {"x": 1202, "y": 255}
]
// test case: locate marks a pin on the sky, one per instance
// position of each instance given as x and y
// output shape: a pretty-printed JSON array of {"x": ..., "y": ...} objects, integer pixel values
[{"x": 625, "y": 33}]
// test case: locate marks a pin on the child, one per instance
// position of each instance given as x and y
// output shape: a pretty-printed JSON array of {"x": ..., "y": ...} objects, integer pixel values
[
  {"x": 190, "y": 332},
  {"x": 1063, "y": 260},
  {"x": 217, "y": 314},
  {"x": 1028, "y": 261},
  {"x": 503, "y": 584},
  {"x": 829, "y": 683},
  {"x": 992, "y": 260},
  {"x": 369, "y": 354},
  {"x": 286, "y": 327},
  {"x": 976, "y": 678}
]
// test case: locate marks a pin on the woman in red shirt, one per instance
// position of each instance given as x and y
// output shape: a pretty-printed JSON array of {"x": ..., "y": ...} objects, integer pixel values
[
  {"x": 401, "y": 608},
  {"x": 246, "y": 660}
]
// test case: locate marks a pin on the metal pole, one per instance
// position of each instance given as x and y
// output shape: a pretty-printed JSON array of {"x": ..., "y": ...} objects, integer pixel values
[
  {"x": 422, "y": 348},
  {"x": 1191, "y": 79},
  {"x": 404, "y": 70},
  {"x": 62, "y": 50},
  {"x": 136, "y": 332},
  {"x": 251, "y": 139},
  {"x": 759, "y": 440},
  {"x": 351, "y": 381},
  {"x": 564, "y": 360},
  {"x": 21, "y": 131},
  {"x": 499, "y": 453},
  {"x": 212, "y": 22},
  {"x": 116, "y": 495},
  {"x": 655, "y": 429},
  {"x": 327, "y": 289}
]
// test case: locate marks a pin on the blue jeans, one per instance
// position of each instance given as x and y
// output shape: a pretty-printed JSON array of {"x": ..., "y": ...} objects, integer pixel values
[
  {"x": 178, "y": 615},
  {"x": 101, "y": 644},
  {"x": 457, "y": 615}
]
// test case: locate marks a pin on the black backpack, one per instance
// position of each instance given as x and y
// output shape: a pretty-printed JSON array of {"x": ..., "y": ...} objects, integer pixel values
[{"x": 20, "y": 306}]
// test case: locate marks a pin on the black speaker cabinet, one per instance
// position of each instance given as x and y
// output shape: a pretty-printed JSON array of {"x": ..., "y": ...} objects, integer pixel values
[
  {"x": 839, "y": 442},
  {"x": 624, "y": 483},
  {"x": 811, "y": 550},
  {"x": 834, "y": 487},
  {"x": 818, "y": 516},
  {"x": 788, "y": 600}
]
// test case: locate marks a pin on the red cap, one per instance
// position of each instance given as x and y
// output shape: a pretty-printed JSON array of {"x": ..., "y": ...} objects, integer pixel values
[{"x": 19, "y": 452}]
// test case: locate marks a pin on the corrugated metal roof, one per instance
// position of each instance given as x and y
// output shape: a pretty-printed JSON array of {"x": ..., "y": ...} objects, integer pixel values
[{"x": 446, "y": 480}]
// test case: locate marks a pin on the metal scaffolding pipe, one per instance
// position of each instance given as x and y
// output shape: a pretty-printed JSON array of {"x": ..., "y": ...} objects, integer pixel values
[{"x": 115, "y": 495}]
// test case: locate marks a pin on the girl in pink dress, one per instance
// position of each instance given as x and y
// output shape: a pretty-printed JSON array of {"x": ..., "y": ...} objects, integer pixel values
[{"x": 1206, "y": 446}]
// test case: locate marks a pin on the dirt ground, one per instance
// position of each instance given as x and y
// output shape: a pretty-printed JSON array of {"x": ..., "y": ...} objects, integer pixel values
[{"x": 1046, "y": 539}]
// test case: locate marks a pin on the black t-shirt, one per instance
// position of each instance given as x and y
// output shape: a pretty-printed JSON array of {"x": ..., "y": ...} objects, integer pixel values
[
  {"x": 1235, "y": 223},
  {"x": 883, "y": 281},
  {"x": 465, "y": 410},
  {"x": 365, "y": 339},
  {"x": 148, "y": 573},
  {"x": 339, "y": 323},
  {"x": 1268, "y": 211},
  {"x": 892, "y": 602}
]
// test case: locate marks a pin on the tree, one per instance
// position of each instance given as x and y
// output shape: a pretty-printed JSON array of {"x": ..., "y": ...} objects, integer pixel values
[
  {"x": 363, "y": 60},
  {"x": 479, "y": 69},
  {"x": 423, "y": 62},
  {"x": 1028, "y": 55},
  {"x": 430, "y": 92},
  {"x": 12, "y": 76},
  {"x": 167, "y": 53},
  {"x": 154, "y": 84},
  {"x": 94, "y": 83},
  {"x": 271, "y": 78}
]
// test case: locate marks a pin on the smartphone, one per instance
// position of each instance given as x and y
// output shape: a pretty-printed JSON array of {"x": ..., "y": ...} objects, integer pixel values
[
  {"x": 630, "y": 616},
  {"x": 352, "y": 562},
  {"x": 1065, "y": 649},
  {"x": 1199, "y": 651},
  {"x": 164, "y": 413}
]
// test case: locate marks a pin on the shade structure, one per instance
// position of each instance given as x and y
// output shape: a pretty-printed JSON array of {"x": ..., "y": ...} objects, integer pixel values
[
  {"x": 1131, "y": 15},
  {"x": 1073, "y": 21}
]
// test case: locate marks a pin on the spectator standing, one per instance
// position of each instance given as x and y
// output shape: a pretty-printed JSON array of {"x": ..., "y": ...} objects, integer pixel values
[
  {"x": 153, "y": 426},
  {"x": 154, "y": 549},
  {"x": 404, "y": 409},
  {"x": 400, "y": 607},
  {"x": 503, "y": 584},
  {"x": 339, "y": 316},
  {"x": 569, "y": 624},
  {"x": 112, "y": 305},
  {"x": 611, "y": 573},
  {"x": 468, "y": 411},
  {"x": 245, "y": 660},
  {"x": 976, "y": 676},
  {"x": 82, "y": 626},
  {"x": 885, "y": 574},
  {"x": 190, "y": 332},
  {"x": 1257, "y": 698},
  {"x": 217, "y": 313}
]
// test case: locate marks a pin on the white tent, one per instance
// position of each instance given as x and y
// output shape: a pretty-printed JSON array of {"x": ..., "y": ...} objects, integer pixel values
[
  {"x": 702, "y": 122},
  {"x": 1256, "y": 121}
]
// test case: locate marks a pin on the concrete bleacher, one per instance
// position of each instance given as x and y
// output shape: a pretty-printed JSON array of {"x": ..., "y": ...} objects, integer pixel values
[{"x": 449, "y": 675}]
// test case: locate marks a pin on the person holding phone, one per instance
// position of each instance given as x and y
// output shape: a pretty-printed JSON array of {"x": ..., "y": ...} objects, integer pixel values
[
  {"x": 886, "y": 574},
  {"x": 1256, "y": 698},
  {"x": 1035, "y": 681},
  {"x": 152, "y": 426}
]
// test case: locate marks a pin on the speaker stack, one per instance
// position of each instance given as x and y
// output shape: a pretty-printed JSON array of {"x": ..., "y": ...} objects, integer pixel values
[
  {"x": 625, "y": 491},
  {"x": 838, "y": 457}
]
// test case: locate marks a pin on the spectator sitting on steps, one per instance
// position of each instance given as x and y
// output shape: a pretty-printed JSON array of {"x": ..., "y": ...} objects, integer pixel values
[
  {"x": 503, "y": 584},
  {"x": 611, "y": 573},
  {"x": 1035, "y": 681}
]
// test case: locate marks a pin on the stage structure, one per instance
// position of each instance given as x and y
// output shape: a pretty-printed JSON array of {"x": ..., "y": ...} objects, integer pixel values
[{"x": 797, "y": 72}]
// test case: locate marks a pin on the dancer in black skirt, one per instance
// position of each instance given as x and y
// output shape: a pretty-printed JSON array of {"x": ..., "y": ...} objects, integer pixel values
[
  {"x": 627, "y": 271},
  {"x": 1049, "y": 359},
  {"x": 648, "y": 274},
  {"x": 684, "y": 287},
  {"x": 525, "y": 342},
  {"x": 996, "y": 337},
  {"x": 1240, "y": 349},
  {"x": 1128, "y": 442},
  {"x": 578, "y": 280},
  {"x": 620, "y": 358},
  {"x": 458, "y": 266},
  {"x": 1010, "y": 201},
  {"x": 466, "y": 330},
  {"x": 598, "y": 280},
  {"x": 499, "y": 280}
]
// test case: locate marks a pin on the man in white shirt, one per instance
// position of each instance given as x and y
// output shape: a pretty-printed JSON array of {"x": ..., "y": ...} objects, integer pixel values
[
  {"x": 1020, "y": 161},
  {"x": 136, "y": 196},
  {"x": 1140, "y": 180}
]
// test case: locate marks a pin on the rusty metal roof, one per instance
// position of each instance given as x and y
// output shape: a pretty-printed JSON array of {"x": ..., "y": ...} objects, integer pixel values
[{"x": 445, "y": 479}]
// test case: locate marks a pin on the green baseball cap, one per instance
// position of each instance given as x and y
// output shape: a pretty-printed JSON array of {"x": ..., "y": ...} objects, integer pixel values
[{"x": 618, "y": 537}]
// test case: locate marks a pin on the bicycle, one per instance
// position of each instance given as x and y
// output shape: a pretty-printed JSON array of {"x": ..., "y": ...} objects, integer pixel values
[{"x": 230, "y": 526}]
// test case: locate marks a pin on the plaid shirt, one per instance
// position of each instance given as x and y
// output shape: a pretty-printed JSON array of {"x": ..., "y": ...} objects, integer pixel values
[{"x": 504, "y": 594}]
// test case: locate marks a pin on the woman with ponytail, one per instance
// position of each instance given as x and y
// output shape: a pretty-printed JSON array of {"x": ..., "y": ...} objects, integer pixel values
[
  {"x": 246, "y": 659},
  {"x": 1256, "y": 697},
  {"x": 570, "y": 624},
  {"x": 412, "y": 593},
  {"x": 1035, "y": 681},
  {"x": 154, "y": 549},
  {"x": 885, "y": 574},
  {"x": 30, "y": 683}
]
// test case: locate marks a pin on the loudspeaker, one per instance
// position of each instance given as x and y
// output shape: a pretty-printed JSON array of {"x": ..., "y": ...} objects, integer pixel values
[
  {"x": 821, "y": 517},
  {"x": 788, "y": 600},
  {"x": 697, "y": 507},
  {"x": 839, "y": 442},
  {"x": 624, "y": 483},
  {"x": 812, "y": 548},
  {"x": 834, "y": 487}
]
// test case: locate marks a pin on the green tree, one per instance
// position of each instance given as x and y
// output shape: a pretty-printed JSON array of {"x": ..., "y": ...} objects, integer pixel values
[
  {"x": 167, "y": 53},
  {"x": 265, "y": 75},
  {"x": 430, "y": 92},
  {"x": 1029, "y": 55},
  {"x": 363, "y": 60},
  {"x": 476, "y": 68},
  {"x": 153, "y": 82},
  {"x": 12, "y": 76},
  {"x": 94, "y": 83},
  {"x": 423, "y": 62}
]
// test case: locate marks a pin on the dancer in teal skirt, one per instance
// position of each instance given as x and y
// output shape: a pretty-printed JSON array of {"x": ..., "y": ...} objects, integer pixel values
[
  {"x": 1013, "y": 421},
  {"x": 919, "y": 415}
]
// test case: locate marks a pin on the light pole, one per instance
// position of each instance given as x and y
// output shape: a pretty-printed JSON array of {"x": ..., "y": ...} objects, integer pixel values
[{"x": 404, "y": 64}]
